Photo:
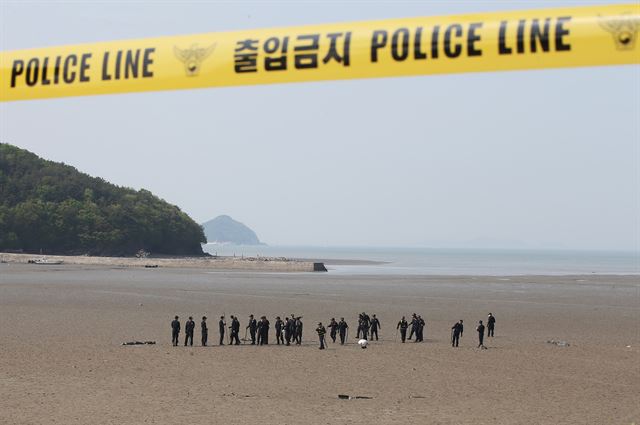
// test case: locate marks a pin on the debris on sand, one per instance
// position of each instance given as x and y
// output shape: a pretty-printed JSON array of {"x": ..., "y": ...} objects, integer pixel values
[
  {"x": 355, "y": 397},
  {"x": 139, "y": 343},
  {"x": 559, "y": 343}
]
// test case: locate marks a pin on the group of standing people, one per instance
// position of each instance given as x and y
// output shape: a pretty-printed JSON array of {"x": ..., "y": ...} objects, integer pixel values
[
  {"x": 417, "y": 325},
  {"x": 289, "y": 330},
  {"x": 458, "y": 329},
  {"x": 368, "y": 324}
]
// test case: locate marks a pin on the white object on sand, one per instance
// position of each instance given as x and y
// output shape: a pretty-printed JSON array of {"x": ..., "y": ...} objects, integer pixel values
[{"x": 363, "y": 343}]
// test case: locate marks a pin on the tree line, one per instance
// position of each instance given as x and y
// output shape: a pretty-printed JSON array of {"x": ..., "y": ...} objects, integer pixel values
[{"x": 53, "y": 208}]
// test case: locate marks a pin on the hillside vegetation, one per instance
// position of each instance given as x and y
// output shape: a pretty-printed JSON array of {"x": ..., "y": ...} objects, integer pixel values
[{"x": 52, "y": 207}]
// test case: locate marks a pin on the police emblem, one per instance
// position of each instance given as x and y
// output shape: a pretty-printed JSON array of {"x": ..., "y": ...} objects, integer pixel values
[
  {"x": 623, "y": 28},
  {"x": 193, "y": 57}
]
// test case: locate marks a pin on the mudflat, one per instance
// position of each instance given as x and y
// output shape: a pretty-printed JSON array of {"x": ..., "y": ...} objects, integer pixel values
[{"x": 62, "y": 362}]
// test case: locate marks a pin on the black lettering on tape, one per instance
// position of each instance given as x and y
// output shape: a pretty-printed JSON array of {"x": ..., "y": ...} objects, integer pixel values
[
  {"x": 457, "y": 47},
  {"x": 400, "y": 44},
  {"x": 84, "y": 67},
  {"x": 378, "y": 41},
  {"x": 32, "y": 72},
  {"x": 472, "y": 38},
  {"x": 147, "y": 61},
  {"x": 417, "y": 45},
  {"x": 561, "y": 46},
  {"x": 503, "y": 49},
  {"x": 16, "y": 69},
  {"x": 539, "y": 36}
]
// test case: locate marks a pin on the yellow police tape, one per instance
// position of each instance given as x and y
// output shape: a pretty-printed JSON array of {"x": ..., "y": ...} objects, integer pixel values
[{"x": 533, "y": 39}]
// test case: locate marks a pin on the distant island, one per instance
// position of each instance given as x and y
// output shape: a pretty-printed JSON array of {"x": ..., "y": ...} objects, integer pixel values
[
  {"x": 52, "y": 208},
  {"x": 224, "y": 229}
]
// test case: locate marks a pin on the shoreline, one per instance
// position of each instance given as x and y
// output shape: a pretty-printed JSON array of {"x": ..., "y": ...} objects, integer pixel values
[
  {"x": 291, "y": 265},
  {"x": 294, "y": 266},
  {"x": 215, "y": 263}
]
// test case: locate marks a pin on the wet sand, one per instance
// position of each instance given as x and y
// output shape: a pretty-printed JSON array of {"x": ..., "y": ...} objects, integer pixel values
[{"x": 61, "y": 360}]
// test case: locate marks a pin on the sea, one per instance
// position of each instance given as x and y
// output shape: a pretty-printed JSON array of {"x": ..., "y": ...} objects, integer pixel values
[{"x": 432, "y": 261}]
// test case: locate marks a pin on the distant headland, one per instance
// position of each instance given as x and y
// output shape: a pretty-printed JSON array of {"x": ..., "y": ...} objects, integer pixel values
[{"x": 225, "y": 230}]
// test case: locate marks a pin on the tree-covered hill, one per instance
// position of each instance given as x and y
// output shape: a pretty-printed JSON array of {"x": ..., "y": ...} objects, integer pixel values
[{"x": 53, "y": 207}]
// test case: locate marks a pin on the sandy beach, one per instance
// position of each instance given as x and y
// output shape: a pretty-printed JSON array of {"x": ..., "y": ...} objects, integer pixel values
[{"x": 62, "y": 362}]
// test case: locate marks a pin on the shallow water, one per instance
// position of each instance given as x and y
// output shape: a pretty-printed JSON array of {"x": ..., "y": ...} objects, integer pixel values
[{"x": 429, "y": 261}]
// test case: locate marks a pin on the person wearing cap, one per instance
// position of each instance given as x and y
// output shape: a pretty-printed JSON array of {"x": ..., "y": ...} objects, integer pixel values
[
  {"x": 279, "y": 324},
  {"x": 480, "y": 329},
  {"x": 491, "y": 324},
  {"x": 222, "y": 326},
  {"x": 321, "y": 333},
  {"x": 252, "y": 326},
  {"x": 204, "y": 331},
  {"x": 188, "y": 328},
  {"x": 375, "y": 325},
  {"x": 333, "y": 329},
  {"x": 263, "y": 334},
  {"x": 403, "y": 325},
  {"x": 175, "y": 331},
  {"x": 342, "y": 330}
]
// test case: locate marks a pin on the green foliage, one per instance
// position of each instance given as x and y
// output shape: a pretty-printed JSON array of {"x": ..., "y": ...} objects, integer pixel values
[{"x": 57, "y": 209}]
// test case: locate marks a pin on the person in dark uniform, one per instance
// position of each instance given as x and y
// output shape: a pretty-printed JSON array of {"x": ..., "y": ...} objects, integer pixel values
[
  {"x": 321, "y": 333},
  {"x": 491, "y": 324},
  {"x": 252, "y": 326},
  {"x": 204, "y": 331},
  {"x": 279, "y": 325},
  {"x": 259, "y": 332},
  {"x": 288, "y": 330},
  {"x": 264, "y": 331},
  {"x": 188, "y": 328},
  {"x": 461, "y": 328},
  {"x": 342, "y": 330},
  {"x": 375, "y": 325},
  {"x": 456, "y": 330},
  {"x": 222, "y": 327},
  {"x": 294, "y": 331},
  {"x": 480, "y": 329},
  {"x": 403, "y": 325},
  {"x": 420, "y": 329},
  {"x": 363, "y": 325},
  {"x": 299, "y": 330},
  {"x": 333, "y": 329},
  {"x": 235, "y": 330},
  {"x": 175, "y": 331},
  {"x": 414, "y": 325}
]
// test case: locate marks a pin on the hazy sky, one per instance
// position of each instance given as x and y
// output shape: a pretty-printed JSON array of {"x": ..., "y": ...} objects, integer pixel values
[{"x": 538, "y": 158}]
